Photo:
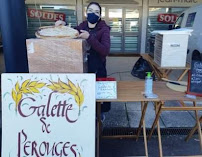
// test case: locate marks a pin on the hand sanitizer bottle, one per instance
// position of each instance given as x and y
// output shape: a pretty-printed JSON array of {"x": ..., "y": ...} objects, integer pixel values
[{"x": 148, "y": 84}]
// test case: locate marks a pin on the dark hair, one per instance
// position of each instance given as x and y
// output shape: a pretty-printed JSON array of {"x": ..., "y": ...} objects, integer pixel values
[{"x": 95, "y": 3}]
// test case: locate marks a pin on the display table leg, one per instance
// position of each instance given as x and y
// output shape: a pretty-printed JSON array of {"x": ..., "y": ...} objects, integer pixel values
[
  {"x": 156, "y": 119},
  {"x": 198, "y": 125},
  {"x": 168, "y": 72},
  {"x": 157, "y": 73},
  {"x": 158, "y": 106},
  {"x": 144, "y": 108},
  {"x": 164, "y": 74},
  {"x": 193, "y": 130},
  {"x": 182, "y": 103},
  {"x": 99, "y": 125},
  {"x": 182, "y": 75}
]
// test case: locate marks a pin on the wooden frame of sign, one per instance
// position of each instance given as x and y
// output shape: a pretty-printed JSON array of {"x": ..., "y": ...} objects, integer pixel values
[{"x": 195, "y": 79}]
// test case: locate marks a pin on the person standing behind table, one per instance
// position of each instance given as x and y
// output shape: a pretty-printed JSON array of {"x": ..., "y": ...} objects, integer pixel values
[{"x": 97, "y": 34}]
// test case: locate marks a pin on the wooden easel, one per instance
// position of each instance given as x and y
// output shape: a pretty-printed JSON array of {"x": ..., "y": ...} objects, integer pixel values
[{"x": 163, "y": 72}]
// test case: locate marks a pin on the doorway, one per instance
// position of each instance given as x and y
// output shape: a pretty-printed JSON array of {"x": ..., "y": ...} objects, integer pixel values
[{"x": 125, "y": 26}]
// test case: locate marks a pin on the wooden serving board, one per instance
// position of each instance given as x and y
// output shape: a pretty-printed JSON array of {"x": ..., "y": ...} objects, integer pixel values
[
  {"x": 38, "y": 35},
  {"x": 178, "y": 88}
]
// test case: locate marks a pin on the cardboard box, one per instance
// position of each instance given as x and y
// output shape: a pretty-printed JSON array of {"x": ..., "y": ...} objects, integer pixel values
[
  {"x": 170, "y": 48},
  {"x": 57, "y": 55}
]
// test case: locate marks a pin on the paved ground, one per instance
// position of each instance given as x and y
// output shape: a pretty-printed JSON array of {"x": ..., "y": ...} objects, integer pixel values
[{"x": 172, "y": 146}]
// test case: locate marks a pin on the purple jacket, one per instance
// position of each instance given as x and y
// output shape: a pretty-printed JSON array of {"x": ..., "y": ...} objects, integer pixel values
[{"x": 100, "y": 41}]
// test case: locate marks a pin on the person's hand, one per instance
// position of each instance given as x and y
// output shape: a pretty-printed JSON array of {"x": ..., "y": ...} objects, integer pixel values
[
  {"x": 60, "y": 23},
  {"x": 84, "y": 34}
]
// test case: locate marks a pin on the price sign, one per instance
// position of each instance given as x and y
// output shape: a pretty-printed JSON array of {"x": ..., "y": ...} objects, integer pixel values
[{"x": 106, "y": 90}]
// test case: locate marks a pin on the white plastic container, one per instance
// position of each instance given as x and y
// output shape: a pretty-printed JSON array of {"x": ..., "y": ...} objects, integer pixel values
[
  {"x": 170, "y": 48},
  {"x": 148, "y": 84}
]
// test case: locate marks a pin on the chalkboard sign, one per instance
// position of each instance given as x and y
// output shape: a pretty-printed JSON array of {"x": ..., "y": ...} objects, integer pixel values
[{"x": 195, "y": 79}]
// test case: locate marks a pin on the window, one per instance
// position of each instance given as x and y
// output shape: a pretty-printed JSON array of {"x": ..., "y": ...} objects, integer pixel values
[
  {"x": 179, "y": 22},
  {"x": 45, "y": 15},
  {"x": 124, "y": 23},
  {"x": 154, "y": 23},
  {"x": 190, "y": 20},
  {"x": 132, "y": 20},
  {"x": 131, "y": 30}
]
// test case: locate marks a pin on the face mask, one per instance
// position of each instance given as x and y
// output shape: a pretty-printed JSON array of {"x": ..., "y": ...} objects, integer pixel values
[{"x": 92, "y": 18}]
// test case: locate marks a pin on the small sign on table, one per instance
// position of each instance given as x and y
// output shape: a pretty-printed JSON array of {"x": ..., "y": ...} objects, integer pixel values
[{"x": 106, "y": 88}]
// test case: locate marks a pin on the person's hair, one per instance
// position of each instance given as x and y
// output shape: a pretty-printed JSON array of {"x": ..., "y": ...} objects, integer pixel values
[{"x": 95, "y": 3}]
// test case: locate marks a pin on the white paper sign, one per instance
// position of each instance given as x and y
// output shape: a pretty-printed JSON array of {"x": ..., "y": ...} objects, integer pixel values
[
  {"x": 50, "y": 115},
  {"x": 106, "y": 90}
]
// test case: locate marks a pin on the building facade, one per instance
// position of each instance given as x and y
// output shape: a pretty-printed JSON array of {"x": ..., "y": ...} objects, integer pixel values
[{"x": 131, "y": 21}]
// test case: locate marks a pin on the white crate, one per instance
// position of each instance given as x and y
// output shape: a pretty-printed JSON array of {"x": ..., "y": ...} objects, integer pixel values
[{"x": 170, "y": 48}]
